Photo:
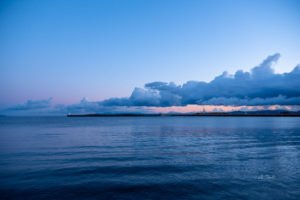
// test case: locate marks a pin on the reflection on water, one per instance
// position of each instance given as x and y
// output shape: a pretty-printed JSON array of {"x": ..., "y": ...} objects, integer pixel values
[{"x": 150, "y": 158}]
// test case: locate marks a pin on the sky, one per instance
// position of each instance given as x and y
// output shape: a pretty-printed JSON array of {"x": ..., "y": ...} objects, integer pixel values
[{"x": 58, "y": 52}]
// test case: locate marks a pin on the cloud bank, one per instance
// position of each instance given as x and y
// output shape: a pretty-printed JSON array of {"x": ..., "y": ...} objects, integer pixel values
[
  {"x": 260, "y": 86},
  {"x": 47, "y": 108}
]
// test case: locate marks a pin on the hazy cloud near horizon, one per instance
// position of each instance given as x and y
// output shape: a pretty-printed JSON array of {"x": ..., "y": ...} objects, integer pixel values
[{"x": 259, "y": 87}]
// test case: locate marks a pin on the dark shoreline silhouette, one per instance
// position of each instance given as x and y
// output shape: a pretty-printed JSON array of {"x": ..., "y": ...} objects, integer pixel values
[{"x": 266, "y": 113}]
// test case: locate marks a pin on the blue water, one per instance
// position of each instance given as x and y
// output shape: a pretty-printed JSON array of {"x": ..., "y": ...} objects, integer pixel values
[{"x": 150, "y": 158}]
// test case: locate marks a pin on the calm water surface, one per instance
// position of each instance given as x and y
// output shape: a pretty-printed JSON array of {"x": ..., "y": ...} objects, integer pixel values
[{"x": 150, "y": 158}]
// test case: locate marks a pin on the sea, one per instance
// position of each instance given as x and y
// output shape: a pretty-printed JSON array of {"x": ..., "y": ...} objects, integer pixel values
[{"x": 137, "y": 158}]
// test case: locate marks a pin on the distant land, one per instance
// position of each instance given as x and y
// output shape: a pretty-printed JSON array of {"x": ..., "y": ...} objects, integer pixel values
[{"x": 264, "y": 113}]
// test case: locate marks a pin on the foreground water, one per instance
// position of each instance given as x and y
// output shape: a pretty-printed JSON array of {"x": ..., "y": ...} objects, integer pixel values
[{"x": 150, "y": 158}]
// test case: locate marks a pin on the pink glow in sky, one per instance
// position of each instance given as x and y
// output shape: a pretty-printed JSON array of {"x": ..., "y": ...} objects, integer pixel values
[{"x": 210, "y": 108}]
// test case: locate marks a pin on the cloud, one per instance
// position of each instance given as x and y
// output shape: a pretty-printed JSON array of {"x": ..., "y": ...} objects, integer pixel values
[
  {"x": 46, "y": 107},
  {"x": 32, "y": 105},
  {"x": 260, "y": 86}
]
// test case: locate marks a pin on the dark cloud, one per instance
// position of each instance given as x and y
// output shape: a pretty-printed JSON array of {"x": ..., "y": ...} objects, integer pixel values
[{"x": 260, "y": 86}]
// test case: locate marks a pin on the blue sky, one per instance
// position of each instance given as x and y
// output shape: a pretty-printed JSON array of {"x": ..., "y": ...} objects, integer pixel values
[{"x": 68, "y": 50}]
